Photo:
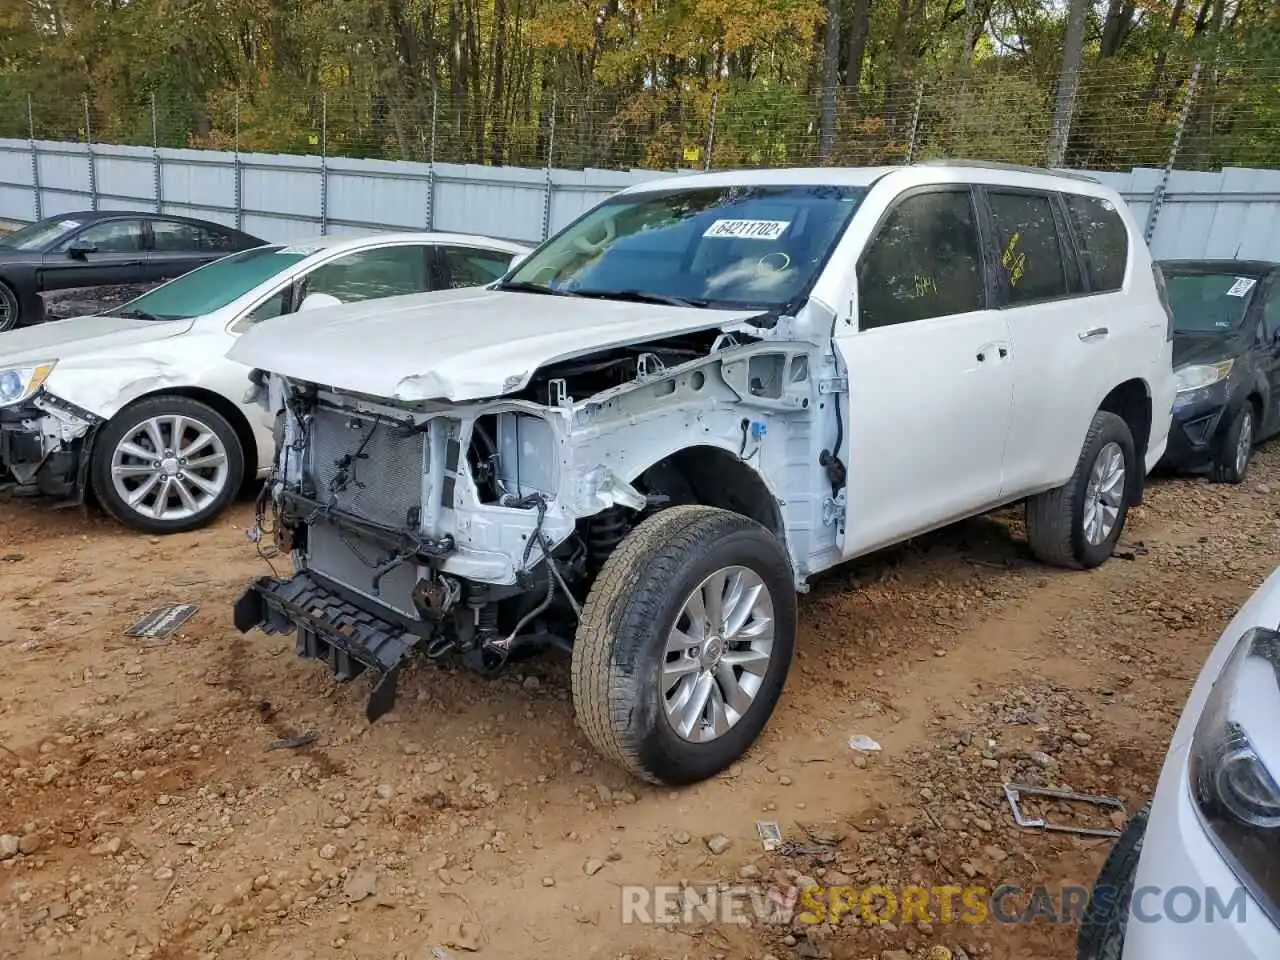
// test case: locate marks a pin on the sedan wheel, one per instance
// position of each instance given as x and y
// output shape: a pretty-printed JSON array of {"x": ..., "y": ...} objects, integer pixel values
[
  {"x": 9, "y": 309},
  {"x": 167, "y": 464}
]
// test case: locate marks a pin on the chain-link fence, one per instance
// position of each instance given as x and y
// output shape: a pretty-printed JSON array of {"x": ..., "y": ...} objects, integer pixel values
[{"x": 1223, "y": 114}]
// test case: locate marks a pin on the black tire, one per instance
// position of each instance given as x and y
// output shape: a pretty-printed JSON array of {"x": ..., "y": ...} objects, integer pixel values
[
  {"x": 620, "y": 648},
  {"x": 1055, "y": 518},
  {"x": 10, "y": 309},
  {"x": 1232, "y": 461},
  {"x": 126, "y": 422},
  {"x": 1102, "y": 930}
]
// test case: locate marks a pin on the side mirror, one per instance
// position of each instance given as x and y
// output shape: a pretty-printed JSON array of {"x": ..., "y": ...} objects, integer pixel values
[
  {"x": 318, "y": 301},
  {"x": 79, "y": 249}
]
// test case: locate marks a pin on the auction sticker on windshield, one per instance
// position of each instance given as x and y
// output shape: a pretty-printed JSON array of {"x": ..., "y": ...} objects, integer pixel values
[
  {"x": 1242, "y": 286},
  {"x": 748, "y": 229}
]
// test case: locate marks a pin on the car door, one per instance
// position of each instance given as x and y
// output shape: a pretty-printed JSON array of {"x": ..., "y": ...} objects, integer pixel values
[
  {"x": 1270, "y": 295},
  {"x": 929, "y": 374},
  {"x": 1063, "y": 343},
  {"x": 108, "y": 252},
  {"x": 462, "y": 266},
  {"x": 178, "y": 247}
]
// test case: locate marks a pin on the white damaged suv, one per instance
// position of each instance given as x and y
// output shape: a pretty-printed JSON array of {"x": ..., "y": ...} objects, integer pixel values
[{"x": 645, "y": 439}]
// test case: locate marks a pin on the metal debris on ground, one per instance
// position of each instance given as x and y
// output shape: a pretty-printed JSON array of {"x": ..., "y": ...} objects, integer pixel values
[
  {"x": 864, "y": 744},
  {"x": 1130, "y": 551},
  {"x": 159, "y": 624},
  {"x": 770, "y": 835},
  {"x": 293, "y": 743},
  {"x": 1015, "y": 792}
]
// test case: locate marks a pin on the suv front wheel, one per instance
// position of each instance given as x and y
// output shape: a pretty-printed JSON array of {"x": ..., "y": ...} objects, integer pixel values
[
  {"x": 685, "y": 644},
  {"x": 1078, "y": 524}
]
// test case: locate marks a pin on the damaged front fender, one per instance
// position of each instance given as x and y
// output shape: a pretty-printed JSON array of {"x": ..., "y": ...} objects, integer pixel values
[{"x": 44, "y": 446}]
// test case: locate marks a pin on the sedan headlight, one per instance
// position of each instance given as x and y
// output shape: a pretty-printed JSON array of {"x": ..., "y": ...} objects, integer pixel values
[
  {"x": 1197, "y": 376},
  {"x": 22, "y": 382},
  {"x": 1234, "y": 752}
]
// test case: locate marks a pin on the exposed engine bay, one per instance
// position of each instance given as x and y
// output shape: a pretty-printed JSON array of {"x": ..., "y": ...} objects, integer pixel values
[{"x": 475, "y": 530}]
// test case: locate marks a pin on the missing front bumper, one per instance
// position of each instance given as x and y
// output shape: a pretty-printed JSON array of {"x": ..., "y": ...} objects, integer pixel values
[
  {"x": 45, "y": 450},
  {"x": 330, "y": 628}
]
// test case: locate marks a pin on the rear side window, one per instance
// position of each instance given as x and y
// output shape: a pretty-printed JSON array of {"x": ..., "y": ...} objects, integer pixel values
[
  {"x": 1104, "y": 242},
  {"x": 1031, "y": 254},
  {"x": 924, "y": 262}
]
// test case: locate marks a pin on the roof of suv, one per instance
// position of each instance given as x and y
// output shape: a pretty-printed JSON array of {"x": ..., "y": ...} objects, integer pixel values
[{"x": 861, "y": 176}]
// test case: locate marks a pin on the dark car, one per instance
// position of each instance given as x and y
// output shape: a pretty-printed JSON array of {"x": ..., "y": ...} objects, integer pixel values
[
  {"x": 84, "y": 262},
  {"x": 1226, "y": 357}
]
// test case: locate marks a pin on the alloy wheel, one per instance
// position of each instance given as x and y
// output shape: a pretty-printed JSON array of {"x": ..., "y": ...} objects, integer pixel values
[
  {"x": 169, "y": 467},
  {"x": 1104, "y": 494},
  {"x": 717, "y": 654}
]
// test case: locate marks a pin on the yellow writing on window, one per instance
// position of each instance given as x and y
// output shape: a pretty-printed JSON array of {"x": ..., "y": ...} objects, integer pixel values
[
  {"x": 1014, "y": 260},
  {"x": 926, "y": 286}
]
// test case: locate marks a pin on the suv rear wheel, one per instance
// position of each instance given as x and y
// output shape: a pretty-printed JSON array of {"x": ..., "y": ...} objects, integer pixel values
[
  {"x": 1078, "y": 524},
  {"x": 685, "y": 644}
]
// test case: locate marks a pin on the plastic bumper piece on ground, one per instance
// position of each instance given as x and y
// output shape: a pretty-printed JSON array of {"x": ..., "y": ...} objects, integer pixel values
[{"x": 345, "y": 636}]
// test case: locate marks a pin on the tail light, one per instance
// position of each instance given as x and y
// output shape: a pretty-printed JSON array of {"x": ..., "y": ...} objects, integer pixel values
[{"x": 1163, "y": 293}]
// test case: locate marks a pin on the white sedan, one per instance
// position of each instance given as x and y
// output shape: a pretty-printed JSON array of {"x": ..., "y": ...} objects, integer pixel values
[
  {"x": 1195, "y": 875},
  {"x": 140, "y": 405}
]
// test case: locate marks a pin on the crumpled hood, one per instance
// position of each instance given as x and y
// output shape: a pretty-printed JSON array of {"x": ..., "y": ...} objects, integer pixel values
[
  {"x": 81, "y": 336},
  {"x": 457, "y": 344}
]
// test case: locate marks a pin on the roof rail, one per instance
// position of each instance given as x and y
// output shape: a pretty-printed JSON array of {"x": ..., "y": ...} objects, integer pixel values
[{"x": 1011, "y": 167}]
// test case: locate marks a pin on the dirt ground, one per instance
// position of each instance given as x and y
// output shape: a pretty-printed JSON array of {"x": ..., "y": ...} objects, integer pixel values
[{"x": 155, "y": 819}]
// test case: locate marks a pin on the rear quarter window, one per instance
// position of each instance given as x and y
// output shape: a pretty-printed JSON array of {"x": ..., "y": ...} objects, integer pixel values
[{"x": 1103, "y": 239}]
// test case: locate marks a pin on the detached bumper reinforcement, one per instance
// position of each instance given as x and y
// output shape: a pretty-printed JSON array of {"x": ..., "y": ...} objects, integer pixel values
[{"x": 331, "y": 629}]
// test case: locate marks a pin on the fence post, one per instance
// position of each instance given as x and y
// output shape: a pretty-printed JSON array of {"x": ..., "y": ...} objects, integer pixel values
[
  {"x": 548, "y": 187},
  {"x": 915, "y": 120},
  {"x": 93, "y": 166},
  {"x": 158, "y": 173},
  {"x": 1157, "y": 196},
  {"x": 711, "y": 131},
  {"x": 239, "y": 171},
  {"x": 324, "y": 164},
  {"x": 431, "y": 161},
  {"x": 38, "y": 200}
]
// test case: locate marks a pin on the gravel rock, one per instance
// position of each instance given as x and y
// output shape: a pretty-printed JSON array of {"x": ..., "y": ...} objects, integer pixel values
[
  {"x": 9, "y": 846},
  {"x": 718, "y": 843},
  {"x": 593, "y": 866},
  {"x": 328, "y": 852}
]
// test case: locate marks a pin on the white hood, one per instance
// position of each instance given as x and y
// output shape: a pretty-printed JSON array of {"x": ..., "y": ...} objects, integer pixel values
[
  {"x": 83, "y": 336},
  {"x": 458, "y": 344}
]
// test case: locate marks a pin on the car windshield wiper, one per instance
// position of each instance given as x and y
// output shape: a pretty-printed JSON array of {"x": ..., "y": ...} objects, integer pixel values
[
  {"x": 138, "y": 315},
  {"x": 639, "y": 296},
  {"x": 524, "y": 286}
]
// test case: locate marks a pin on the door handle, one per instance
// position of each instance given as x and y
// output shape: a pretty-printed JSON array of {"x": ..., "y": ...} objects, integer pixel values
[{"x": 1094, "y": 334}]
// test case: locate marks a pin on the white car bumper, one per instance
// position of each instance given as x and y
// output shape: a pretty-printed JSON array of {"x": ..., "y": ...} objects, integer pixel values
[{"x": 1180, "y": 869}]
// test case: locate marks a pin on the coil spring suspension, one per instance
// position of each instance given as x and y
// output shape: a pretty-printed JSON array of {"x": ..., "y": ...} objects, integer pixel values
[
  {"x": 486, "y": 613},
  {"x": 604, "y": 534}
]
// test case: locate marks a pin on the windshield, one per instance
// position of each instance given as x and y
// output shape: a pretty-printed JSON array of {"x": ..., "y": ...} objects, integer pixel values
[
  {"x": 1208, "y": 302},
  {"x": 210, "y": 287},
  {"x": 37, "y": 236},
  {"x": 740, "y": 246}
]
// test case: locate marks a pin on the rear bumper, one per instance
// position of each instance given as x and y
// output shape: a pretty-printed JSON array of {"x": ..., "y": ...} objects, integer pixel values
[{"x": 330, "y": 627}]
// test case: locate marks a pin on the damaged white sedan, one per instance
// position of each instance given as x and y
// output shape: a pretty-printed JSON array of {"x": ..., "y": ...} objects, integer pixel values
[
  {"x": 633, "y": 447},
  {"x": 140, "y": 405}
]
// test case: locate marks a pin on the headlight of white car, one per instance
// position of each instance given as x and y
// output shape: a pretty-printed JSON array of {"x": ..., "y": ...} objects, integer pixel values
[
  {"x": 21, "y": 382},
  {"x": 1233, "y": 766},
  {"x": 1197, "y": 376}
]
